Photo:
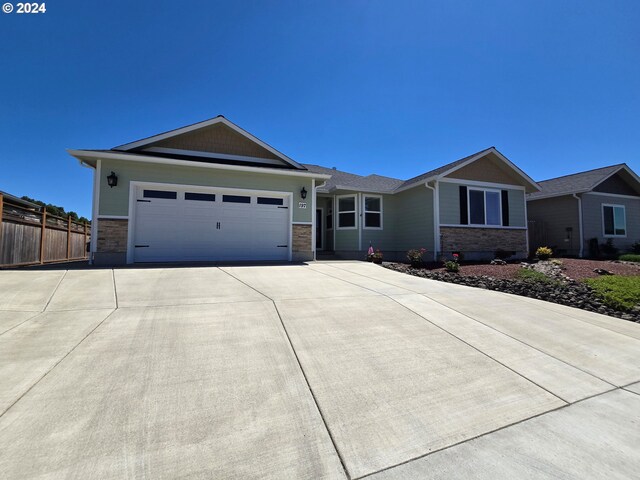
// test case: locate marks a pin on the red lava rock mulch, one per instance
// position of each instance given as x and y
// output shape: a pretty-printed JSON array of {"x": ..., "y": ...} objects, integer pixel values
[{"x": 574, "y": 268}]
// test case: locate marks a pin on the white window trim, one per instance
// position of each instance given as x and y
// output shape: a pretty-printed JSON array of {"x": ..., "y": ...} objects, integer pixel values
[
  {"x": 624, "y": 211},
  {"x": 365, "y": 211},
  {"x": 484, "y": 190},
  {"x": 338, "y": 212}
]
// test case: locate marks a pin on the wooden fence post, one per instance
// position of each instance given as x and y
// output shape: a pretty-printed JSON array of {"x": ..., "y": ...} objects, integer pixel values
[
  {"x": 68, "y": 237},
  {"x": 42, "y": 233},
  {"x": 84, "y": 245}
]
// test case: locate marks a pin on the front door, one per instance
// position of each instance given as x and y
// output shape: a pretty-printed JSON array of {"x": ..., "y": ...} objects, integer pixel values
[{"x": 319, "y": 235}]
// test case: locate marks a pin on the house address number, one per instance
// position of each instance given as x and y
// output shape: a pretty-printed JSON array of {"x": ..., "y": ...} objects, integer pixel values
[{"x": 302, "y": 204}]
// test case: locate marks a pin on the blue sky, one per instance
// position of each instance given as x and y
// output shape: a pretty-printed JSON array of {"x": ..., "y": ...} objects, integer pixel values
[{"x": 394, "y": 88}]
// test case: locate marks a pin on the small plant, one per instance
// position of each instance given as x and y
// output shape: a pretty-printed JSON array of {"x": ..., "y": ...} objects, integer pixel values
[
  {"x": 453, "y": 265},
  {"x": 629, "y": 257},
  {"x": 635, "y": 248},
  {"x": 528, "y": 275},
  {"x": 557, "y": 262},
  {"x": 377, "y": 257},
  {"x": 415, "y": 257},
  {"x": 544, "y": 253}
]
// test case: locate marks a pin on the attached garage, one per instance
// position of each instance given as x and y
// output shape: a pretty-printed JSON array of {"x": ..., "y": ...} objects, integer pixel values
[
  {"x": 189, "y": 224},
  {"x": 207, "y": 192}
]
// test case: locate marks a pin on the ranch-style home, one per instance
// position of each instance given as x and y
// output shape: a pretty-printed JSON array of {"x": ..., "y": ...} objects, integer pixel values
[
  {"x": 572, "y": 213},
  {"x": 213, "y": 192}
]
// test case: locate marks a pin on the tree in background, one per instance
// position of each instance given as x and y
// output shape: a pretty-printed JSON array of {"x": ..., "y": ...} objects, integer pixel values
[{"x": 57, "y": 211}]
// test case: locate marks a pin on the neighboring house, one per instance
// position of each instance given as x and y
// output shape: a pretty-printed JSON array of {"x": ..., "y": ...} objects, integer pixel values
[
  {"x": 213, "y": 192},
  {"x": 570, "y": 211}
]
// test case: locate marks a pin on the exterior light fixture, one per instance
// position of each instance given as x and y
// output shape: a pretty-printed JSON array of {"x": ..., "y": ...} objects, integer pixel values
[
  {"x": 303, "y": 193},
  {"x": 112, "y": 180}
]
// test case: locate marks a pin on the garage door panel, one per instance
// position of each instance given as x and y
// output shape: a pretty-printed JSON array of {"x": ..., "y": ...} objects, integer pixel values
[{"x": 202, "y": 227}]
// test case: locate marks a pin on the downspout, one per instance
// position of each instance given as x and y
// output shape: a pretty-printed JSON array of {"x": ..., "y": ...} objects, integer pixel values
[
  {"x": 436, "y": 217},
  {"x": 575, "y": 195}
]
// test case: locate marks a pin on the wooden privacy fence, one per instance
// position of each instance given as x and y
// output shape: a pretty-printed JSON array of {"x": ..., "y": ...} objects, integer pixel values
[{"x": 29, "y": 236}]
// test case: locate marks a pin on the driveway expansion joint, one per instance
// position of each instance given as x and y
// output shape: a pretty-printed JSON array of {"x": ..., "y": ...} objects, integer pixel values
[
  {"x": 55, "y": 290},
  {"x": 304, "y": 375}
]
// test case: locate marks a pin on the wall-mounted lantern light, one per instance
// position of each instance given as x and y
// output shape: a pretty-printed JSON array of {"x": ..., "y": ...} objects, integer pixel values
[
  {"x": 303, "y": 193},
  {"x": 112, "y": 180}
]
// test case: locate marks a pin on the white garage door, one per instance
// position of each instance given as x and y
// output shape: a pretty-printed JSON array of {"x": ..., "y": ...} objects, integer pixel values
[{"x": 196, "y": 224}]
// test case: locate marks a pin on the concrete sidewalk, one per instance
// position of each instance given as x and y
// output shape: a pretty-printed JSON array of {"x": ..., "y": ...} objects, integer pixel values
[{"x": 332, "y": 370}]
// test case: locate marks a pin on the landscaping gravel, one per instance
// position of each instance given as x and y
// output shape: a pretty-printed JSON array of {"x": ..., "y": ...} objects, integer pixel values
[{"x": 563, "y": 290}]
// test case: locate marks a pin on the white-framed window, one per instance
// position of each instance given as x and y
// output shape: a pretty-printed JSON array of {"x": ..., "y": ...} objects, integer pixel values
[
  {"x": 614, "y": 220},
  {"x": 347, "y": 212},
  {"x": 485, "y": 207},
  {"x": 372, "y": 207}
]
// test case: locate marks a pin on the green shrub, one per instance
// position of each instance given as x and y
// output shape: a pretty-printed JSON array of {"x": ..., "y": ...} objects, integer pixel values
[
  {"x": 630, "y": 257},
  {"x": 621, "y": 293},
  {"x": 451, "y": 266},
  {"x": 544, "y": 253},
  {"x": 415, "y": 257},
  {"x": 528, "y": 275}
]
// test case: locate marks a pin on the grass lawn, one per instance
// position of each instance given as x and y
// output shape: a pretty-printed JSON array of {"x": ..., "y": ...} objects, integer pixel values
[
  {"x": 630, "y": 257},
  {"x": 618, "y": 292}
]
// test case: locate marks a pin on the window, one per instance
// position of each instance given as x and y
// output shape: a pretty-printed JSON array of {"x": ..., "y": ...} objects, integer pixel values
[
  {"x": 160, "y": 194},
  {"x": 201, "y": 197},
  {"x": 329, "y": 219},
  {"x": 614, "y": 221},
  {"x": 372, "y": 212},
  {"x": 236, "y": 199},
  {"x": 270, "y": 201},
  {"x": 347, "y": 212},
  {"x": 485, "y": 207}
]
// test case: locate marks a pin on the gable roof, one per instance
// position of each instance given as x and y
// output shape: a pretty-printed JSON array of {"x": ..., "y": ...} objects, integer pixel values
[
  {"x": 341, "y": 180},
  {"x": 449, "y": 168},
  {"x": 579, "y": 182},
  {"x": 148, "y": 143}
]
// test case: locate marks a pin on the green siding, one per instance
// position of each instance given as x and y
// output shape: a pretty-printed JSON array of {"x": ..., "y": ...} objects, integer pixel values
[
  {"x": 450, "y": 205},
  {"x": 414, "y": 219},
  {"x": 517, "y": 216},
  {"x": 384, "y": 239},
  {"x": 115, "y": 201}
]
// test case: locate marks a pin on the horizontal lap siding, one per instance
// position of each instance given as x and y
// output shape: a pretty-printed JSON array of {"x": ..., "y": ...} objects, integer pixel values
[
  {"x": 592, "y": 219},
  {"x": 414, "y": 219},
  {"x": 115, "y": 201},
  {"x": 450, "y": 205}
]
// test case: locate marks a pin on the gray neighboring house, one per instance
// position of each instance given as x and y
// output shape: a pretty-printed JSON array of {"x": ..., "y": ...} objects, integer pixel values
[
  {"x": 569, "y": 211},
  {"x": 212, "y": 191}
]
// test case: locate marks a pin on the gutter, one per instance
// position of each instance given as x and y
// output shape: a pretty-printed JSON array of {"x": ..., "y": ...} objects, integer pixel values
[{"x": 581, "y": 253}]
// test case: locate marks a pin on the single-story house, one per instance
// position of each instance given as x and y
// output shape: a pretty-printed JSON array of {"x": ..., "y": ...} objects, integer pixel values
[
  {"x": 213, "y": 192},
  {"x": 569, "y": 212}
]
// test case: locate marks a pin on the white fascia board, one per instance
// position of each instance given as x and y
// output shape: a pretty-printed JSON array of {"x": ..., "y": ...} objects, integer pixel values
[
  {"x": 364, "y": 190},
  {"x": 475, "y": 183},
  {"x": 199, "y": 125},
  {"x": 553, "y": 195},
  {"x": 484, "y": 153},
  {"x": 93, "y": 155}
]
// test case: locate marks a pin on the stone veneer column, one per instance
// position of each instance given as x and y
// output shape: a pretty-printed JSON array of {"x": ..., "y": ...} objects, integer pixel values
[
  {"x": 302, "y": 248},
  {"x": 111, "y": 247}
]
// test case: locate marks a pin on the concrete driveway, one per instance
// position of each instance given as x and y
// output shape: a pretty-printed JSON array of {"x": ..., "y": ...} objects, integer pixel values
[{"x": 332, "y": 370}]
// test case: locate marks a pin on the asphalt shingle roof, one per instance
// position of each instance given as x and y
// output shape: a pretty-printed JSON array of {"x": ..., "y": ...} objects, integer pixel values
[
  {"x": 442, "y": 169},
  {"x": 376, "y": 183},
  {"x": 576, "y": 182}
]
